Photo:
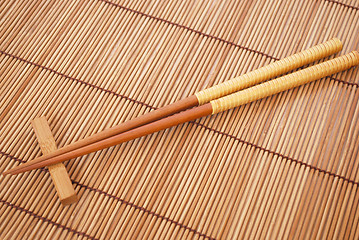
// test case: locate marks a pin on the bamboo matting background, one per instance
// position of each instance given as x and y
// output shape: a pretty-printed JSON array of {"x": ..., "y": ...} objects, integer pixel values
[{"x": 283, "y": 167}]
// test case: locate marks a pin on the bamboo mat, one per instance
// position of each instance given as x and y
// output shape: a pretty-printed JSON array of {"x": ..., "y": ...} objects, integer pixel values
[{"x": 285, "y": 167}]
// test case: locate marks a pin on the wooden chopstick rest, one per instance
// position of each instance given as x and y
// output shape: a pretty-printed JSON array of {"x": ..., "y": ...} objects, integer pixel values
[
  {"x": 249, "y": 79},
  {"x": 58, "y": 172},
  {"x": 222, "y": 104}
]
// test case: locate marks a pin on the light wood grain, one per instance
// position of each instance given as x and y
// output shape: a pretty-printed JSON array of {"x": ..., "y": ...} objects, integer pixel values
[
  {"x": 229, "y": 176},
  {"x": 58, "y": 172},
  {"x": 230, "y": 101}
]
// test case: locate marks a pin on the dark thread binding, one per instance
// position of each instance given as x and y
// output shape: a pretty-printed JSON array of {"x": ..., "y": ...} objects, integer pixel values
[
  {"x": 342, "y": 4},
  {"x": 189, "y": 29},
  {"x": 205, "y": 34},
  {"x": 21, "y": 209},
  {"x": 117, "y": 94},
  {"x": 280, "y": 155},
  {"x": 74, "y": 79},
  {"x": 208, "y": 128},
  {"x": 122, "y": 201},
  {"x": 301, "y": 163},
  {"x": 147, "y": 105},
  {"x": 130, "y": 204}
]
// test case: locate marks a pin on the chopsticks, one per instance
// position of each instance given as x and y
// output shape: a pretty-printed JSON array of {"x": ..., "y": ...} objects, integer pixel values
[
  {"x": 249, "y": 79},
  {"x": 214, "y": 106}
]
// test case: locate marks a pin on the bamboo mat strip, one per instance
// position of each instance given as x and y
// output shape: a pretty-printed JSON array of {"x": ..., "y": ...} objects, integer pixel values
[
  {"x": 224, "y": 40},
  {"x": 205, "y": 127},
  {"x": 199, "y": 32},
  {"x": 246, "y": 197},
  {"x": 343, "y": 4},
  {"x": 107, "y": 195},
  {"x": 233, "y": 137},
  {"x": 45, "y": 220}
]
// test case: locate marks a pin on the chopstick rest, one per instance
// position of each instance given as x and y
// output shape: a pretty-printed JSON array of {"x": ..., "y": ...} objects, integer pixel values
[
  {"x": 215, "y": 106},
  {"x": 259, "y": 75},
  {"x": 59, "y": 175}
]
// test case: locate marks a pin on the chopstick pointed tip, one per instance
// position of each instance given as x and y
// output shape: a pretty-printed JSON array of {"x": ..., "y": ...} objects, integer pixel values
[
  {"x": 13, "y": 171},
  {"x": 6, "y": 173}
]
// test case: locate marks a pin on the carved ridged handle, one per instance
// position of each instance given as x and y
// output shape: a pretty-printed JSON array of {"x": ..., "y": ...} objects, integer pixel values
[
  {"x": 271, "y": 70},
  {"x": 286, "y": 82}
]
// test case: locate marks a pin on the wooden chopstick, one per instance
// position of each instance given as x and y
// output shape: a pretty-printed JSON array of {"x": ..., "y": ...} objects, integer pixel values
[
  {"x": 215, "y": 106},
  {"x": 249, "y": 79}
]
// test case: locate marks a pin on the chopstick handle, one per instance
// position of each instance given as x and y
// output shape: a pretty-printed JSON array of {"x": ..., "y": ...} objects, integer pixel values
[
  {"x": 246, "y": 80},
  {"x": 271, "y": 70},
  {"x": 242, "y": 97},
  {"x": 286, "y": 82}
]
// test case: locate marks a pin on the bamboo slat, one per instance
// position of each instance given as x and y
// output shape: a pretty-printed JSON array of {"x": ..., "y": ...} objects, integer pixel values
[{"x": 284, "y": 167}]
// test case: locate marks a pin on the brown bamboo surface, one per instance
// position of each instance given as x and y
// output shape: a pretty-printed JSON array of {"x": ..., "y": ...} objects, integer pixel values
[{"x": 282, "y": 167}]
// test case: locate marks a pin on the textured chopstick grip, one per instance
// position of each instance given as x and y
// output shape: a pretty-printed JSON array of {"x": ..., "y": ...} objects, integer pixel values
[
  {"x": 286, "y": 82},
  {"x": 271, "y": 70}
]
